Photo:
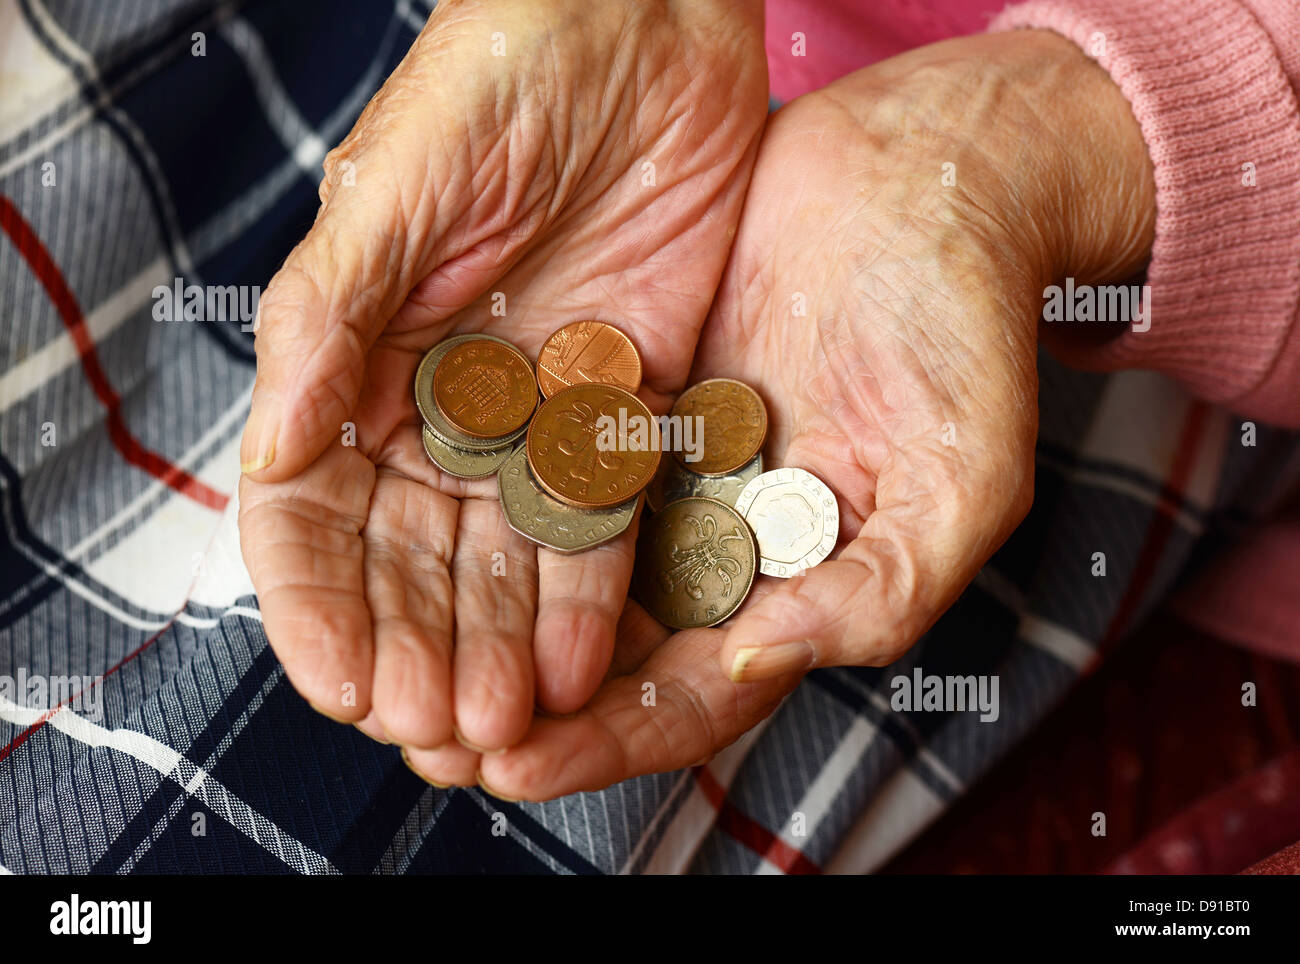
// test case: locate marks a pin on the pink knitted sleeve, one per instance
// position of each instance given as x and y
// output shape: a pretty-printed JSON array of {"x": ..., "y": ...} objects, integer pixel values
[{"x": 1213, "y": 84}]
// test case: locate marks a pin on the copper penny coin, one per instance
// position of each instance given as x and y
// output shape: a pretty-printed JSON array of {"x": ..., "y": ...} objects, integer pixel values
[
  {"x": 484, "y": 388},
  {"x": 588, "y": 352},
  {"x": 428, "y": 408},
  {"x": 593, "y": 446},
  {"x": 733, "y": 422},
  {"x": 695, "y": 563}
]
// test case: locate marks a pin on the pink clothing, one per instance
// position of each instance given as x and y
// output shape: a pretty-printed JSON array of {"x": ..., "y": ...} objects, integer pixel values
[{"x": 1213, "y": 84}]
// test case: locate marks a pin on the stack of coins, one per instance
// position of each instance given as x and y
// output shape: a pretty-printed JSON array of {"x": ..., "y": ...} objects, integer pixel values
[
  {"x": 591, "y": 448},
  {"x": 573, "y": 484},
  {"x": 577, "y": 483},
  {"x": 476, "y": 394},
  {"x": 728, "y": 424},
  {"x": 719, "y": 518}
]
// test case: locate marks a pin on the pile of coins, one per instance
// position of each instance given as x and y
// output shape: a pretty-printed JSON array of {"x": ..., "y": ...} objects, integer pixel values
[
  {"x": 590, "y": 449},
  {"x": 476, "y": 394},
  {"x": 719, "y": 518}
]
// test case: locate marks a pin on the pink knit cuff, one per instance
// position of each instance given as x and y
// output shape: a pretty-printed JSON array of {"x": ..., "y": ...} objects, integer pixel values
[{"x": 1206, "y": 83}]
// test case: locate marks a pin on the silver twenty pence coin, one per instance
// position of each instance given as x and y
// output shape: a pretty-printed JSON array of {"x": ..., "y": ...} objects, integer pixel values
[{"x": 795, "y": 519}]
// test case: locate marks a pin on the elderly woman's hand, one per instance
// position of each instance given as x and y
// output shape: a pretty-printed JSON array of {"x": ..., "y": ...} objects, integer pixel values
[
  {"x": 887, "y": 314},
  {"x": 567, "y": 160}
]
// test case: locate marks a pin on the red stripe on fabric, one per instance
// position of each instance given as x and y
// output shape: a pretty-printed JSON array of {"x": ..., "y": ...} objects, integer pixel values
[
  {"x": 1162, "y": 524},
  {"x": 51, "y": 278},
  {"x": 745, "y": 830},
  {"x": 26, "y": 734}
]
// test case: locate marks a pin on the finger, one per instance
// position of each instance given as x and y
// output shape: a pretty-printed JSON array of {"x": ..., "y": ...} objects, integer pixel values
[
  {"x": 909, "y": 563},
  {"x": 451, "y": 765},
  {"x": 409, "y": 539},
  {"x": 839, "y": 613},
  {"x": 677, "y": 710},
  {"x": 301, "y": 542},
  {"x": 579, "y": 600},
  {"x": 413, "y": 196},
  {"x": 638, "y": 635},
  {"x": 494, "y": 570}
]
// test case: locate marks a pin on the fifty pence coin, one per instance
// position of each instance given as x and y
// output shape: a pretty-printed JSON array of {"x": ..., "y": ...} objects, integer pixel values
[
  {"x": 593, "y": 446},
  {"x": 695, "y": 563},
  {"x": 550, "y": 523},
  {"x": 428, "y": 406},
  {"x": 733, "y": 420},
  {"x": 484, "y": 388},
  {"x": 463, "y": 463},
  {"x": 588, "y": 352},
  {"x": 795, "y": 519}
]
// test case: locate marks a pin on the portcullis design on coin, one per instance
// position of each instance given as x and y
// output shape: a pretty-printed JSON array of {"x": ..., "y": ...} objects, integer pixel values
[
  {"x": 734, "y": 424},
  {"x": 588, "y": 352},
  {"x": 428, "y": 406},
  {"x": 795, "y": 519},
  {"x": 593, "y": 446},
  {"x": 485, "y": 388},
  {"x": 695, "y": 563}
]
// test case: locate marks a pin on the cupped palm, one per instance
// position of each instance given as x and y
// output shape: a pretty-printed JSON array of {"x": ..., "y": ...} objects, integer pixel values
[
  {"x": 589, "y": 173},
  {"x": 891, "y": 335}
]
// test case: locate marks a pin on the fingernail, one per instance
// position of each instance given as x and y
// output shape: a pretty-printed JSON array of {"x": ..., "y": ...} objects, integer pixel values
[
  {"x": 764, "y": 662},
  {"x": 490, "y": 792},
  {"x": 460, "y": 738},
  {"x": 407, "y": 760},
  {"x": 258, "y": 448},
  {"x": 378, "y": 739}
]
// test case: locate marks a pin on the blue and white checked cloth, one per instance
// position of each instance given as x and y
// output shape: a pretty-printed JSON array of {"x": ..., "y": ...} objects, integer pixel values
[{"x": 125, "y": 162}]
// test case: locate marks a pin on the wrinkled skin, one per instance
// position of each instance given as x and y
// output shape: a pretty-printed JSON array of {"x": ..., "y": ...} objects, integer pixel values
[
  {"x": 470, "y": 175},
  {"x": 909, "y": 385},
  {"x": 885, "y": 317}
]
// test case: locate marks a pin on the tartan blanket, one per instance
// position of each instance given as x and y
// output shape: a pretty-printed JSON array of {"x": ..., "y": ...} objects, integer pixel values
[{"x": 145, "y": 724}]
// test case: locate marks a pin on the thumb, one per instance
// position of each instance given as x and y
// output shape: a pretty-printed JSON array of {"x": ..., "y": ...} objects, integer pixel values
[
  {"x": 372, "y": 242},
  {"x": 402, "y": 207},
  {"x": 865, "y": 608},
  {"x": 315, "y": 324}
]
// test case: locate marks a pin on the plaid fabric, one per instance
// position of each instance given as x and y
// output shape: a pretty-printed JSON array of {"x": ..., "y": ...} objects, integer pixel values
[{"x": 119, "y": 556}]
